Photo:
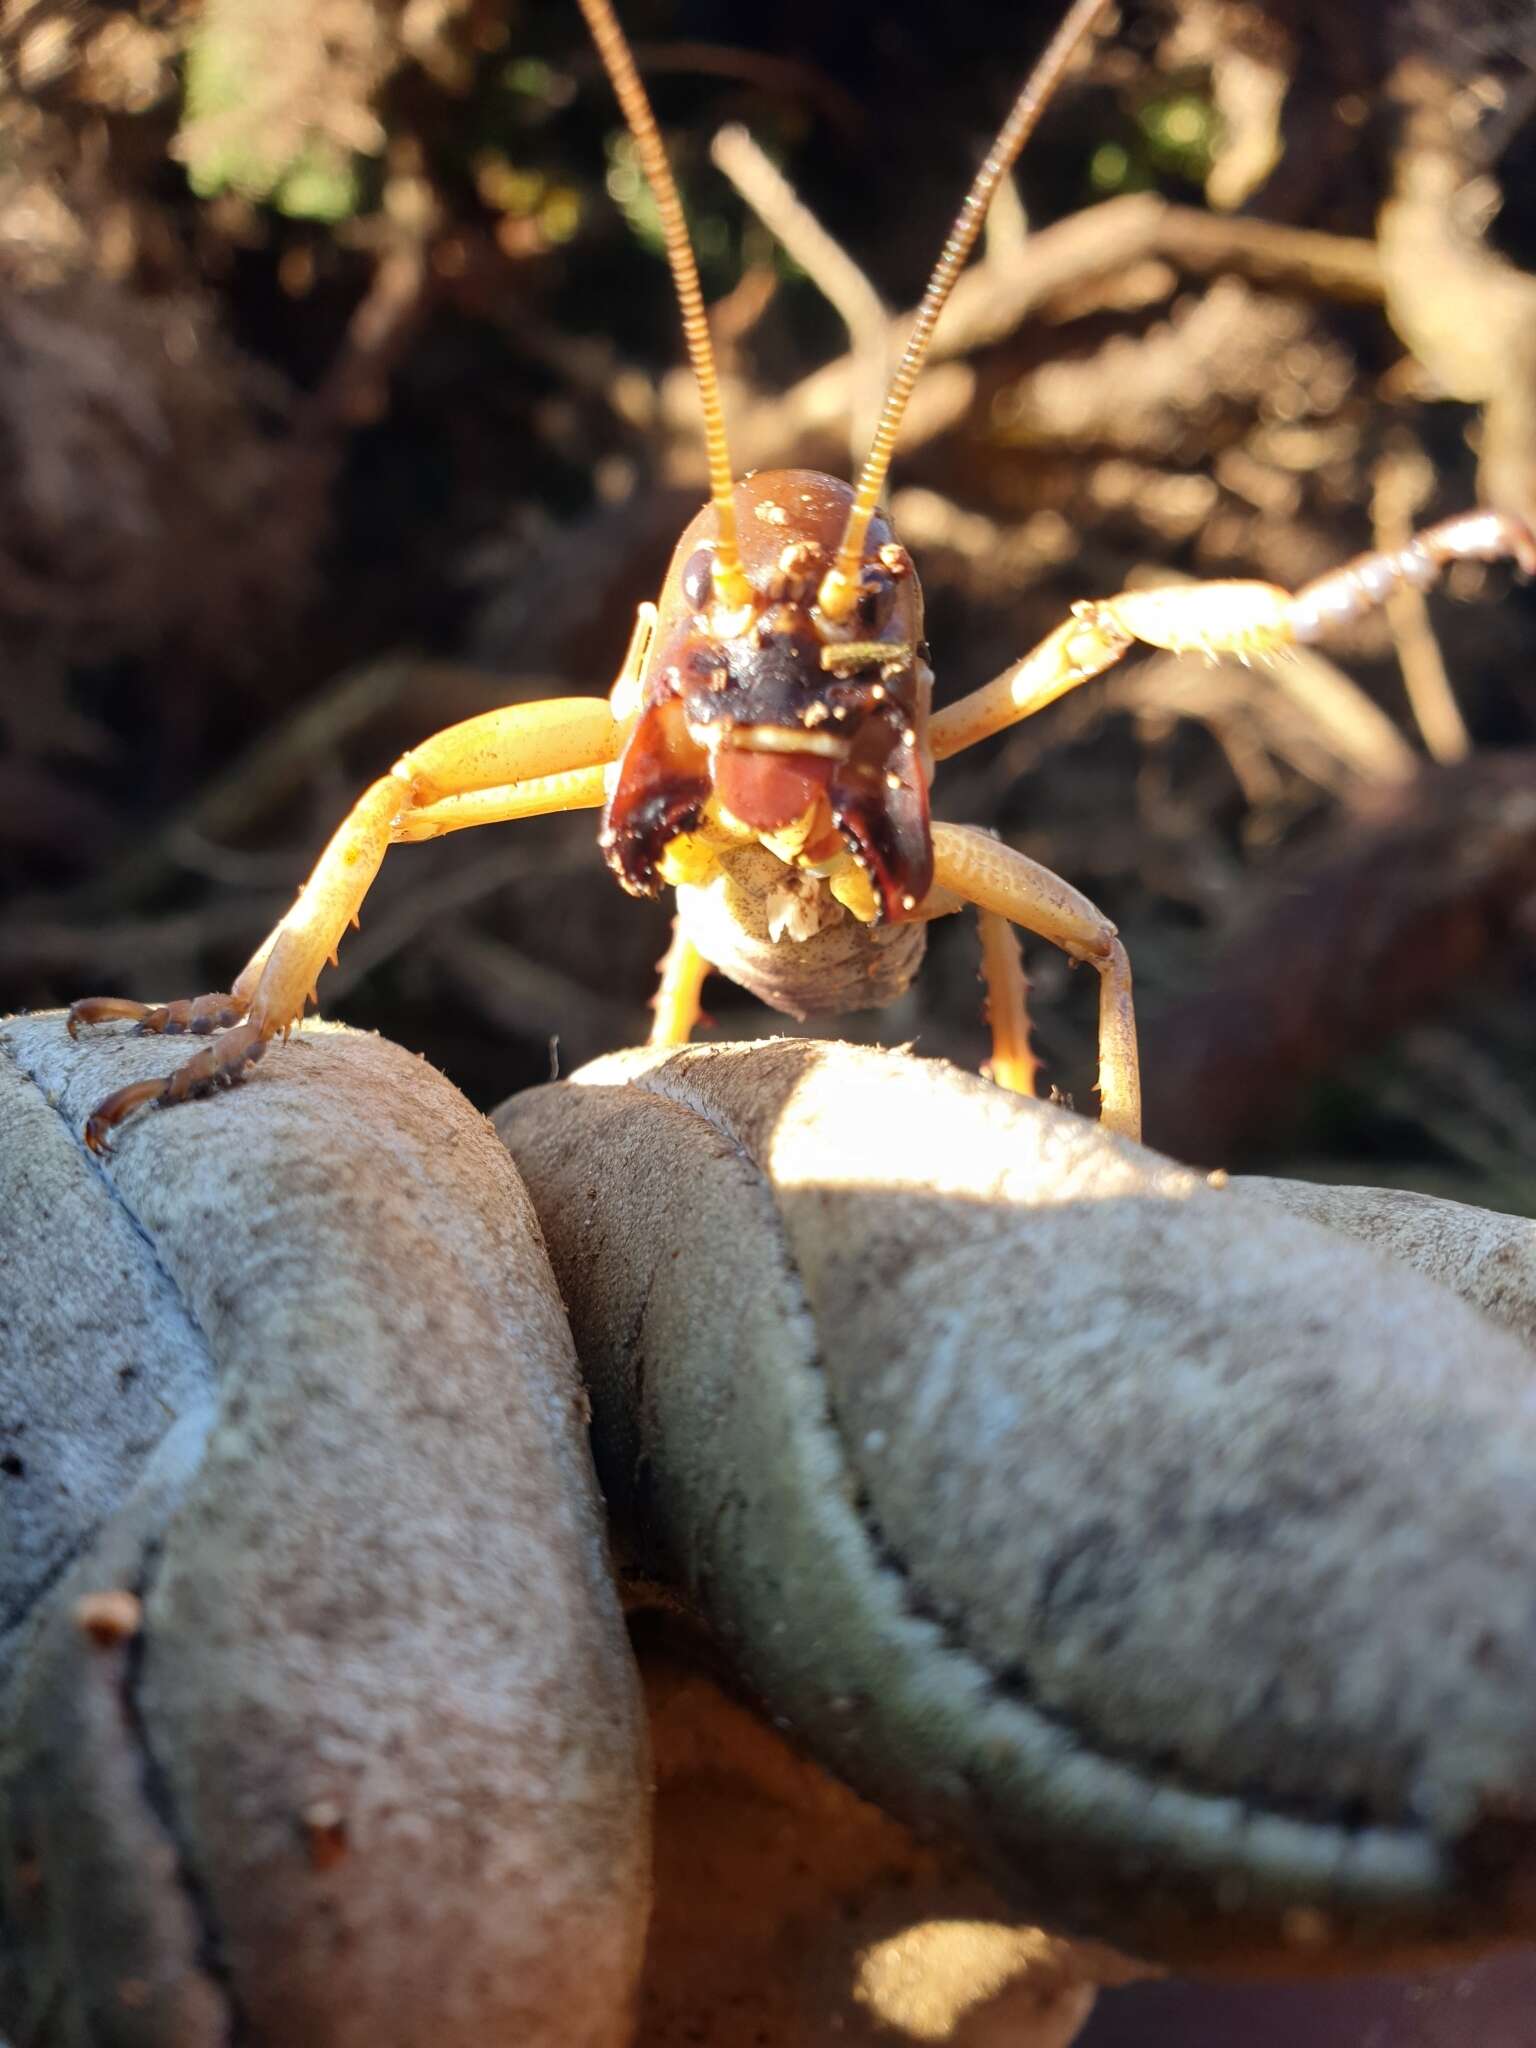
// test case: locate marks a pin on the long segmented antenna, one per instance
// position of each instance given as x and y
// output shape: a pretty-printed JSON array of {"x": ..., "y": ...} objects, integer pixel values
[
  {"x": 840, "y": 586},
  {"x": 730, "y": 581}
]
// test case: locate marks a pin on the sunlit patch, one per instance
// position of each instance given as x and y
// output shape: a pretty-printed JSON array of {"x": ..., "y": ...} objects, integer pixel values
[
  {"x": 856, "y": 892},
  {"x": 776, "y": 739},
  {"x": 840, "y": 657},
  {"x": 924, "y": 1981},
  {"x": 729, "y": 620},
  {"x": 689, "y": 860}
]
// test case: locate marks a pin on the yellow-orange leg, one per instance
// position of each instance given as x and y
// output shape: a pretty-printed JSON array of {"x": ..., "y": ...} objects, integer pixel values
[
  {"x": 679, "y": 992},
  {"x": 1245, "y": 619},
  {"x": 1013, "y": 1064},
  {"x": 983, "y": 871},
  {"x": 511, "y": 763},
  {"x": 578, "y": 789}
]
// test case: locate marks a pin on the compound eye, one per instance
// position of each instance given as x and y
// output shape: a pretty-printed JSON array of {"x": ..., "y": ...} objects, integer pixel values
[
  {"x": 697, "y": 580},
  {"x": 876, "y": 590}
]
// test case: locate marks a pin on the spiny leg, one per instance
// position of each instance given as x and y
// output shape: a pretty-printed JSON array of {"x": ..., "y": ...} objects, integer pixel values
[
  {"x": 578, "y": 789},
  {"x": 677, "y": 1002},
  {"x": 998, "y": 878},
  {"x": 1013, "y": 1064},
  {"x": 508, "y": 763},
  {"x": 1238, "y": 618},
  {"x": 1081, "y": 648}
]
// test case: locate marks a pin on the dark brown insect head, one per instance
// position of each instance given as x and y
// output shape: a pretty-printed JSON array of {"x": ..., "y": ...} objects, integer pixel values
[
  {"x": 786, "y": 687},
  {"x": 792, "y": 722}
]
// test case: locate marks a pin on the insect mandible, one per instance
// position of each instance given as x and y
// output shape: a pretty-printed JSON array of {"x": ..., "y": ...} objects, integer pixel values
[{"x": 769, "y": 745}]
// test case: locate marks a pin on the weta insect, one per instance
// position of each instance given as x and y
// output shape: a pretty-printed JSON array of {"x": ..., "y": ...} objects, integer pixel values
[{"x": 768, "y": 747}]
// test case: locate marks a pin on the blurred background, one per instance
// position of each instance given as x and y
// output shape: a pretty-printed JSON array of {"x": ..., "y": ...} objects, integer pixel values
[{"x": 340, "y": 398}]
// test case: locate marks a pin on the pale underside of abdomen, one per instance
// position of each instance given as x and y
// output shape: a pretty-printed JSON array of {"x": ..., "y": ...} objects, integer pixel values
[{"x": 745, "y": 922}]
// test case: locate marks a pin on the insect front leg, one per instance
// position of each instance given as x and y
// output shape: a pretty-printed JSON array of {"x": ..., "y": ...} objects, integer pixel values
[
  {"x": 1241, "y": 618},
  {"x": 517, "y": 761},
  {"x": 997, "y": 878}
]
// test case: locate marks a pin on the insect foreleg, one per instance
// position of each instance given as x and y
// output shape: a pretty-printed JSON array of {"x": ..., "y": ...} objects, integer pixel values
[
  {"x": 983, "y": 871},
  {"x": 578, "y": 789},
  {"x": 1078, "y": 650},
  {"x": 1241, "y": 618},
  {"x": 512, "y": 762},
  {"x": 518, "y": 743}
]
